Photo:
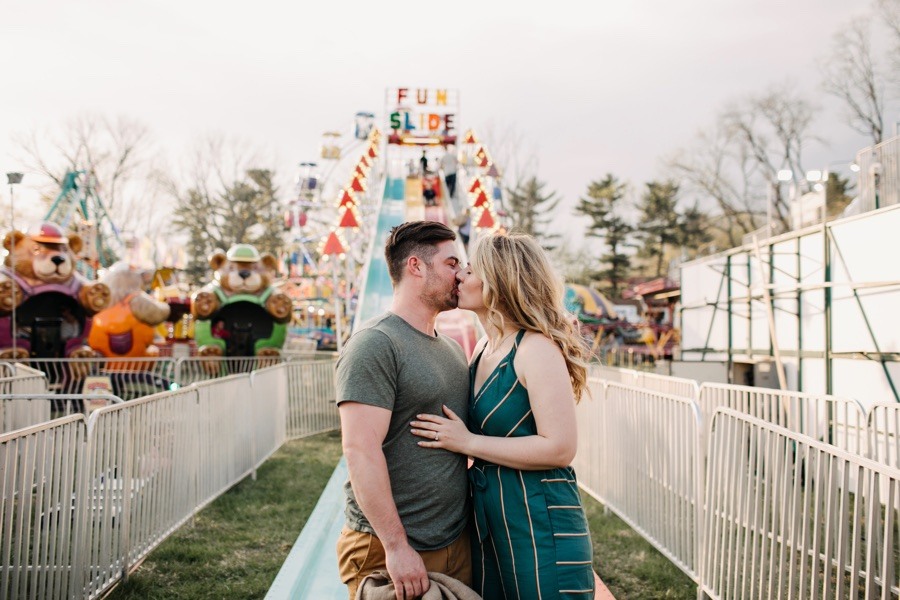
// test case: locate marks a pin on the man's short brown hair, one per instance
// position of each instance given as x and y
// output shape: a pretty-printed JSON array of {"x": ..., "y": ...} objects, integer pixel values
[{"x": 414, "y": 238}]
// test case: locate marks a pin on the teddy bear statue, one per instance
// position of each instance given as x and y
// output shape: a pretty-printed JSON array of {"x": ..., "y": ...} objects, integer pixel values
[
  {"x": 240, "y": 313},
  {"x": 127, "y": 327},
  {"x": 52, "y": 302}
]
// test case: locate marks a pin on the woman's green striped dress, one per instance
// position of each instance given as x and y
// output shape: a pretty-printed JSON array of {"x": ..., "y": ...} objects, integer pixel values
[{"x": 532, "y": 539}]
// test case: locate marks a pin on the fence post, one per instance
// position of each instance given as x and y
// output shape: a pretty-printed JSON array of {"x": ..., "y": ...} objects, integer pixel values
[
  {"x": 127, "y": 488},
  {"x": 254, "y": 430},
  {"x": 80, "y": 543},
  {"x": 176, "y": 371}
]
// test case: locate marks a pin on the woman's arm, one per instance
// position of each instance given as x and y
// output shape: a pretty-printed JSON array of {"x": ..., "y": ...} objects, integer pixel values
[{"x": 540, "y": 366}]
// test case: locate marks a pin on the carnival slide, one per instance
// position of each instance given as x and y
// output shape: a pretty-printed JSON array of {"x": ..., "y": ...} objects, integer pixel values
[{"x": 403, "y": 201}]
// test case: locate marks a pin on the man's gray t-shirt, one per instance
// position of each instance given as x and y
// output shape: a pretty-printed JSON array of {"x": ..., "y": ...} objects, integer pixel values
[{"x": 390, "y": 364}]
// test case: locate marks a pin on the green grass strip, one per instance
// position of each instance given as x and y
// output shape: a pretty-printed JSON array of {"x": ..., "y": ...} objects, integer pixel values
[{"x": 628, "y": 565}]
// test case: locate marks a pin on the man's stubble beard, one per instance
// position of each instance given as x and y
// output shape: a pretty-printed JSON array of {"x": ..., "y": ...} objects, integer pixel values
[{"x": 437, "y": 297}]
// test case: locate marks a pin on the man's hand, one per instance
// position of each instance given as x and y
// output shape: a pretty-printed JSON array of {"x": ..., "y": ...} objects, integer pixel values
[{"x": 407, "y": 571}]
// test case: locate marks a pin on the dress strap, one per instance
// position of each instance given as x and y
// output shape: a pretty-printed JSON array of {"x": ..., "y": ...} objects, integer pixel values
[
  {"x": 477, "y": 359},
  {"x": 519, "y": 337}
]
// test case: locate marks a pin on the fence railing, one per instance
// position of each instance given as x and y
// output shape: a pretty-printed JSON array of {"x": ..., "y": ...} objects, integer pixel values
[
  {"x": 884, "y": 433},
  {"x": 84, "y": 501},
  {"x": 834, "y": 420},
  {"x": 311, "y": 398},
  {"x": 639, "y": 453},
  {"x": 40, "y": 523},
  {"x": 879, "y": 175},
  {"x": 679, "y": 386},
  {"x": 138, "y": 377},
  {"x": 791, "y": 517},
  {"x": 718, "y": 518},
  {"x": 17, "y": 413},
  {"x": 613, "y": 374}
]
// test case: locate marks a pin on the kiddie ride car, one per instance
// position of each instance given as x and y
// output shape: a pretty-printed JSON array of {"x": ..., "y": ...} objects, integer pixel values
[{"x": 240, "y": 314}]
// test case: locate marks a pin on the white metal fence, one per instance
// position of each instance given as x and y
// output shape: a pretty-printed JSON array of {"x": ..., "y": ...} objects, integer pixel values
[
  {"x": 837, "y": 421},
  {"x": 790, "y": 517},
  {"x": 38, "y": 518},
  {"x": 640, "y": 455},
  {"x": 84, "y": 501},
  {"x": 20, "y": 412},
  {"x": 783, "y": 504},
  {"x": 884, "y": 433},
  {"x": 879, "y": 175},
  {"x": 311, "y": 393},
  {"x": 613, "y": 374}
]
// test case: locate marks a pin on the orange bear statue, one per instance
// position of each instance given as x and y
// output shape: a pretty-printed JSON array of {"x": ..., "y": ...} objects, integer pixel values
[{"x": 127, "y": 328}]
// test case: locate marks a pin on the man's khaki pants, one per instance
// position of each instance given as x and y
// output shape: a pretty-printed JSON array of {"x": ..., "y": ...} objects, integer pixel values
[{"x": 360, "y": 554}]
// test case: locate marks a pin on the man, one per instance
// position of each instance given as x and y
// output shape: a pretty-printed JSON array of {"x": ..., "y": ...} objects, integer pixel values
[
  {"x": 406, "y": 506},
  {"x": 449, "y": 165}
]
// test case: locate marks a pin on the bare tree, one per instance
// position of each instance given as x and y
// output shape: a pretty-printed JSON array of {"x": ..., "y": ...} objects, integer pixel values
[
  {"x": 715, "y": 169},
  {"x": 118, "y": 154},
  {"x": 850, "y": 74},
  {"x": 890, "y": 15},
  {"x": 735, "y": 164}
]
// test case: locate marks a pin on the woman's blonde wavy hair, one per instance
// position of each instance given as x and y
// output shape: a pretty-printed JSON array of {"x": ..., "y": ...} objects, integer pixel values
[{"x": 521, "y": 287}]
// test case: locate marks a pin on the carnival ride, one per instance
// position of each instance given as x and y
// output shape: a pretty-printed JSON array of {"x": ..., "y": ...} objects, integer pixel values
[
  {"x": 610, "y": 334},
  {"x": 336, "y": 272},
  {"x": 47, "y": 305},
  {"x": 240, "y": 313},
  {"x": 79, "y": 208}
]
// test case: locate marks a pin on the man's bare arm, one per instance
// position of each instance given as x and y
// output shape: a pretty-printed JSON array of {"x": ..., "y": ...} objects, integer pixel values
[{"x": 363, "y": 430}]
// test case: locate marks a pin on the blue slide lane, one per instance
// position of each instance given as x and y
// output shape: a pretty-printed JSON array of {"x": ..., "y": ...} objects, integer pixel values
[
  {"x": 310, "y": 571},
  {"x": 377, "y": 287}
]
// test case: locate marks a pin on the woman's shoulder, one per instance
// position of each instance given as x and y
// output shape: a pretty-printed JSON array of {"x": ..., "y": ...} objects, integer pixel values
[{"x": 536, "y": 344}]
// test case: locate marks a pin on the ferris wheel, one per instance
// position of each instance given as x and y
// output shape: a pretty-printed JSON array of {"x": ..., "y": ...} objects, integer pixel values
[
  {"x": 79, "y": 208},
  {"x": 312, "y": 211}
]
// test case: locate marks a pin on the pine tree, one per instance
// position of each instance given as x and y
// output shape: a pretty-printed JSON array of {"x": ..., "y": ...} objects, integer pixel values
[
  {"x": 658, "y": 223},
  {"x": 530, "y": 209},
  {"x": 602, "y": 200},
  {"x": 836, "y": 196},
  {"x": 695, "y": 230},
  {"x": 245, "y": 212}
]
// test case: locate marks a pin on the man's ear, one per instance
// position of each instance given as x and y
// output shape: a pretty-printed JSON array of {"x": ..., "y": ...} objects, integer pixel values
[{"x": 415, "y": 266}]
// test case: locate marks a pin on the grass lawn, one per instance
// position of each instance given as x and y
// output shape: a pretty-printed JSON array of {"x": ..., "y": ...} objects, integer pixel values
[
  {"x": 628, "y": 565},
  {"x": 235, "y": 547}
]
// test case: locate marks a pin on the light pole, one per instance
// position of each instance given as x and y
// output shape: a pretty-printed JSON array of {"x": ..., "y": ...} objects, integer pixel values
[
  {"x": 13, "y": 178},
  {"x": 818, "y": 180}
]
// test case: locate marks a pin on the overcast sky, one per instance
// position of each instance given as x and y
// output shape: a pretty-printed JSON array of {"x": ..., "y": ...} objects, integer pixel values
[{"x": 609, "y": 89}]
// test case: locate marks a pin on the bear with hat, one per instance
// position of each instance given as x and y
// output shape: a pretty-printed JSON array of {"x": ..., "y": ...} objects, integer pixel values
[
  {"x": 40, "y": 282},
  {"x": 242, "y": 296}
]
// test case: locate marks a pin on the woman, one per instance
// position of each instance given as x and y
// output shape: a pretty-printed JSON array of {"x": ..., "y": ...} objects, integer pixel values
[{"x": 527, "y": 374}]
